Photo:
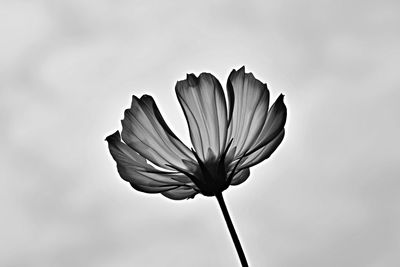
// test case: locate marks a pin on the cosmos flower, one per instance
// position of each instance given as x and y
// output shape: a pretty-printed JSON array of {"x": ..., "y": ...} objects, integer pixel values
[{"x": 227, "y": 139}]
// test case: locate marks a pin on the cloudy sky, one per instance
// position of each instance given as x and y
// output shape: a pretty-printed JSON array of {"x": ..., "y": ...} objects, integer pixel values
[{"x": 329, "y": 196}]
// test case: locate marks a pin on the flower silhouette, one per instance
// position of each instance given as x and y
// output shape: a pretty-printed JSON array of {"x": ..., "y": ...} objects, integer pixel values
[{"x": 226, "y": 141}]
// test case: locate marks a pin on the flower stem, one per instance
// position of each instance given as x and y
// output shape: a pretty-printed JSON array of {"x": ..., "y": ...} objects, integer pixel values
[{"x": 232, "y": 231}]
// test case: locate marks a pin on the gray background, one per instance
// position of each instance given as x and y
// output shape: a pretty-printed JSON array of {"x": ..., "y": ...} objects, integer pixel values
[{"x": 329, "y": 196}]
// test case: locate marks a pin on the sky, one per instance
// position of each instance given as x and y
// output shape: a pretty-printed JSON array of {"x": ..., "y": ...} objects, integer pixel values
[{"x": 329, "y": 196}]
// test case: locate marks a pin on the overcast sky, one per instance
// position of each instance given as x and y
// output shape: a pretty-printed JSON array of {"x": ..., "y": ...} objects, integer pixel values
[{"x": 329, "y": 196}]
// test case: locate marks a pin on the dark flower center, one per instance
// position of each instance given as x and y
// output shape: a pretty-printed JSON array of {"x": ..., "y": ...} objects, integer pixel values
[{"x": 211, "y": 176}]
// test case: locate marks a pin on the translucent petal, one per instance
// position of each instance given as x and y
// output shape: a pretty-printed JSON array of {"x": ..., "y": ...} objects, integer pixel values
[
  {"x": 145, "y": 131},
  {"x": 248, "y": 111},
  {"x": 134, "y": 169},
  {"x": 241, "y": 176},
  {"x": 179, "y": 193},
  {"x": 264, "y": 152},
  {"x": 273, "y": 125},
  {"x": 203, "y": 102}
]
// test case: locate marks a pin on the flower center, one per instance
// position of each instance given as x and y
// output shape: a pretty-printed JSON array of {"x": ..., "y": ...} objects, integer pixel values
[{"x": 211, "y": 176}]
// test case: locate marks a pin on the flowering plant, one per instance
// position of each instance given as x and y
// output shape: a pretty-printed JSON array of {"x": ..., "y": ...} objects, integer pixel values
[{"x": 227, "y": 139}]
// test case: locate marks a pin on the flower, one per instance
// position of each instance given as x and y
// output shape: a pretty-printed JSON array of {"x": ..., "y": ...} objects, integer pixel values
[{"x": 227, "y": 141}]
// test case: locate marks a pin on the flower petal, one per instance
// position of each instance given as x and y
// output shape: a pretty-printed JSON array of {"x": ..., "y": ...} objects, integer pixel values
[
  {"x": 273, "y": 125},
  {"x": 203, "y": 102},
  {"x": 179, "y": 193},
  {"x": 248, "y": 111},
  {"x": 134, "y": 169},
  {"x": 264, "y": 152},
  {"x": 145, "y": 131},
  {"x": 241, "y": 176}
]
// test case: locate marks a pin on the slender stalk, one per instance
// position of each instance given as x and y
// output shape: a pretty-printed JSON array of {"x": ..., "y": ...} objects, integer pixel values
[{"x": 232, "y": 231}]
